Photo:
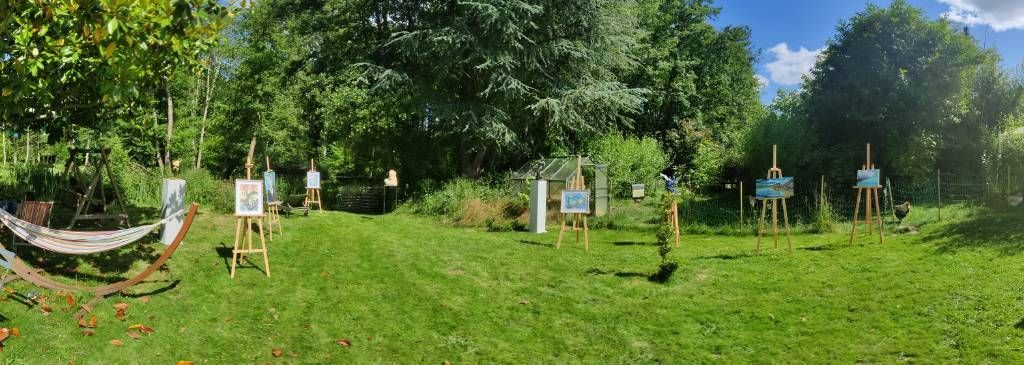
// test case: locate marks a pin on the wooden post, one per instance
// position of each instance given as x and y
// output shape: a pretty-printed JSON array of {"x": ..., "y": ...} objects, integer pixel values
[
  {"x": 938, "y": 187},
  {"x": 741, "y": 202},
  {"x": 243, "y": 244}
]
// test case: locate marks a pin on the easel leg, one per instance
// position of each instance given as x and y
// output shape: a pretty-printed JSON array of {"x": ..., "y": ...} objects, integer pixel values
[
  {"x": 856, "y": 212},
  {"x": 785, "y": 218},
  {"x": 881, "y": 227},
  {"x": 263, "y": 243},
  {"x": 761, "y": 225},
  {"x": 868, "y": 217},
  {"x": 234, "y": 251},
  {"x": 269, "y": 218},
  {"x": 675, "y": 221},
  {"x": 319, "y": 203},
  {"x": 558, "y": 244},
  {"x": 775, "y": 221}
]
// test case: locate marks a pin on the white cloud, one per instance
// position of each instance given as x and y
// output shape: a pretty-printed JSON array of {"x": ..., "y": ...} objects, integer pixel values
[
  {"x": 789, "y": 66},
  {"x": 999, "y": 14},
  {"x": 762, "y": 82}
]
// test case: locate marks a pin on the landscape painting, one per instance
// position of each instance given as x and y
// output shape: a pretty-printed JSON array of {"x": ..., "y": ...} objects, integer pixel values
[
  {"x": 775, "y": 188},
  {"x": 869, "y": 178},
  {"x": 313, "y": 180},
  {"x": 575, "y": 201},
  {"x": 248, "y": 198}
]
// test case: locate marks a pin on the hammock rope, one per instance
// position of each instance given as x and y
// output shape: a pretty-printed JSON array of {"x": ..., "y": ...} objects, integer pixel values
[{"x": 78, "y": 242}]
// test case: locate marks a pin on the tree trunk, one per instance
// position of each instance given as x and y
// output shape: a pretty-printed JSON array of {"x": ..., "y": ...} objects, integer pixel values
[
  {"x": 170, "y": 124},
  {"x": 206, "y": 109},
  {"x": 471, "y": 160},
  {"x": 159, "y": 160}
]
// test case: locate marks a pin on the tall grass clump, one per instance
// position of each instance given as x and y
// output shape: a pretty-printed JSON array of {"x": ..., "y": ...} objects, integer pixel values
[
  {"x": 471, "y": 203},
  {"x": 668, "y": 265},
  {"x": 824, "y": 217}
]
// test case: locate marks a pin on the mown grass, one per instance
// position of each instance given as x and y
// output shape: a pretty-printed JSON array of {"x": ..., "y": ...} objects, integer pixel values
[{"x": 404, "y": 289}]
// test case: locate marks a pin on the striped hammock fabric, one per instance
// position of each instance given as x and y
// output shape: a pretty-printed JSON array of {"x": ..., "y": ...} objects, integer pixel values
[{"x": 77, "y": 242}]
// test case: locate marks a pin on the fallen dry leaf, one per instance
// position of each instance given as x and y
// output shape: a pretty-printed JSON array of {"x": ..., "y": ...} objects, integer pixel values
[
  {"x": 92, "y": 322},
  {"x": 70, "y": 299},
  {"x": 121, "y": 305},
  {"x": 133, "y": 335},
  {"x": 88, "y": 332},
  {"x": 15, "y": 332},
  {"x": 144, "y": 299},
  {"x": 120, "y": 314},
  {"x": 276, "y": 352},
  {"x": 4, "y": 334},
  {"x": 344, "y": 342},
  {"x": 184, "y": 362},
  {"x": 117, "y": 342}
]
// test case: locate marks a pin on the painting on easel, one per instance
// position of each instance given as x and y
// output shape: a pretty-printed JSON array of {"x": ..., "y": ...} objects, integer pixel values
[
  {"x": 313, "y": 180},
  {"x": 248, "y": 198},
  {"x": 869, "y": 178},
  {"x": 270, "y": 185},
  {"x": 575, "y": 202},
  {"x": 776, "y": 188}
]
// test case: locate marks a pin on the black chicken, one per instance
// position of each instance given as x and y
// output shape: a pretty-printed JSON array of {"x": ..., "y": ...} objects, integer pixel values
[{"x": 901, "y": 211}]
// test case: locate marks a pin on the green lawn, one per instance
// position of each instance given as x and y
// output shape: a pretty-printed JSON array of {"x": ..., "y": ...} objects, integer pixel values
[{"x": 408, "y": 290}]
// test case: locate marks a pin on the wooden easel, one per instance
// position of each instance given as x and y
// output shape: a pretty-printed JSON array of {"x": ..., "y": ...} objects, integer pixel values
[
  {"x": 576, "y": 183},
  {"x": 774, "y": 173},
  {"x": 96, "y": 185},
  {"x": 869, "y": 214},
  {"x": 273, "y": 210},
  {"x": 313, "y": 194},
  {"x": 238, "y": 252},
  {"x": 673, "y": 218}
]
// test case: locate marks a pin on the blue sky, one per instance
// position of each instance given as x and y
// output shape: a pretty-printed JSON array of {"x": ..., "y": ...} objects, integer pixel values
[{"x": 788, "y": 33}]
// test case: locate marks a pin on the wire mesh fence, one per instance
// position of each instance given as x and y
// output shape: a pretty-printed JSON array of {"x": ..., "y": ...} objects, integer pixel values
[{"x": 737, "y": 206}]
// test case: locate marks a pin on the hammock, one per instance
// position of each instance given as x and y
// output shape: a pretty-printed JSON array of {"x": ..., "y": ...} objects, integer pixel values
[{"x": 77, "y": 242}]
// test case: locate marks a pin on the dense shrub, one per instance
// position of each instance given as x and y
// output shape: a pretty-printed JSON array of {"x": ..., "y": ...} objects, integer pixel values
[
  {"x": 475, "y": 204},
  {"x": 630, "y": 161},
  {"x": 666, "y": 238}
]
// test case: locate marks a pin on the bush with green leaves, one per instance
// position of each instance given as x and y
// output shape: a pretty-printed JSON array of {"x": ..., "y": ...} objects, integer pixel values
[
  {"x": 665, "y": 234},
  {"x": 630, "y": 161}
]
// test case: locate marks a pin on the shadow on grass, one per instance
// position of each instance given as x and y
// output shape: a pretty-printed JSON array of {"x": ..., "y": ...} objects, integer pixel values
[
  {"x": 629, "y": 243},
  {"x": 163, "y": 289},
  {"x": 1020, "y": 324},
  {"x": 536, "y": 243},
  {"x": 998, "y": 230},
  {"x": 621, "y": 274},
  {"x": 821, "y": 247},
  {"x": 226, "y": 253},
  {"x": 726, "y": 256}
]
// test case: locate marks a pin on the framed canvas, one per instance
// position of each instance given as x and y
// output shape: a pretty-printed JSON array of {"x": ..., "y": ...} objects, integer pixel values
[
  {"x": 774, "y": 188},
  {"x": 869, "y": 178},
  {"x": 270, "y": 185},
  {"x": 248, "y": 198},
  {"x": 575, "y": 201},
  {"x": 313, "y": 180}
]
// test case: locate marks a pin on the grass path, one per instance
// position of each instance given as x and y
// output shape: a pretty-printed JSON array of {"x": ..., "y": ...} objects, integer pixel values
[{"x": 405, "y": 289}]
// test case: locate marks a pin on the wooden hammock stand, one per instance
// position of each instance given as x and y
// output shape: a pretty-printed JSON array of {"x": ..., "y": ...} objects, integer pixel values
[{"x": 34, "y": 276}]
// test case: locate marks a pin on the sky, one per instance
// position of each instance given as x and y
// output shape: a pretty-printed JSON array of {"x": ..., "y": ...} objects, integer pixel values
[{"x": 790, "y": 33}]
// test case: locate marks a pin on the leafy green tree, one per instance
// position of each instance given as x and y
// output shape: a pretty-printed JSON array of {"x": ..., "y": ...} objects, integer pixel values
[
  {"x": 89, "y": 62},
  {"x": 502, "y": 77},
  {"x": 703, "y": 90},
  {"x": 899, "y": 80}
]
